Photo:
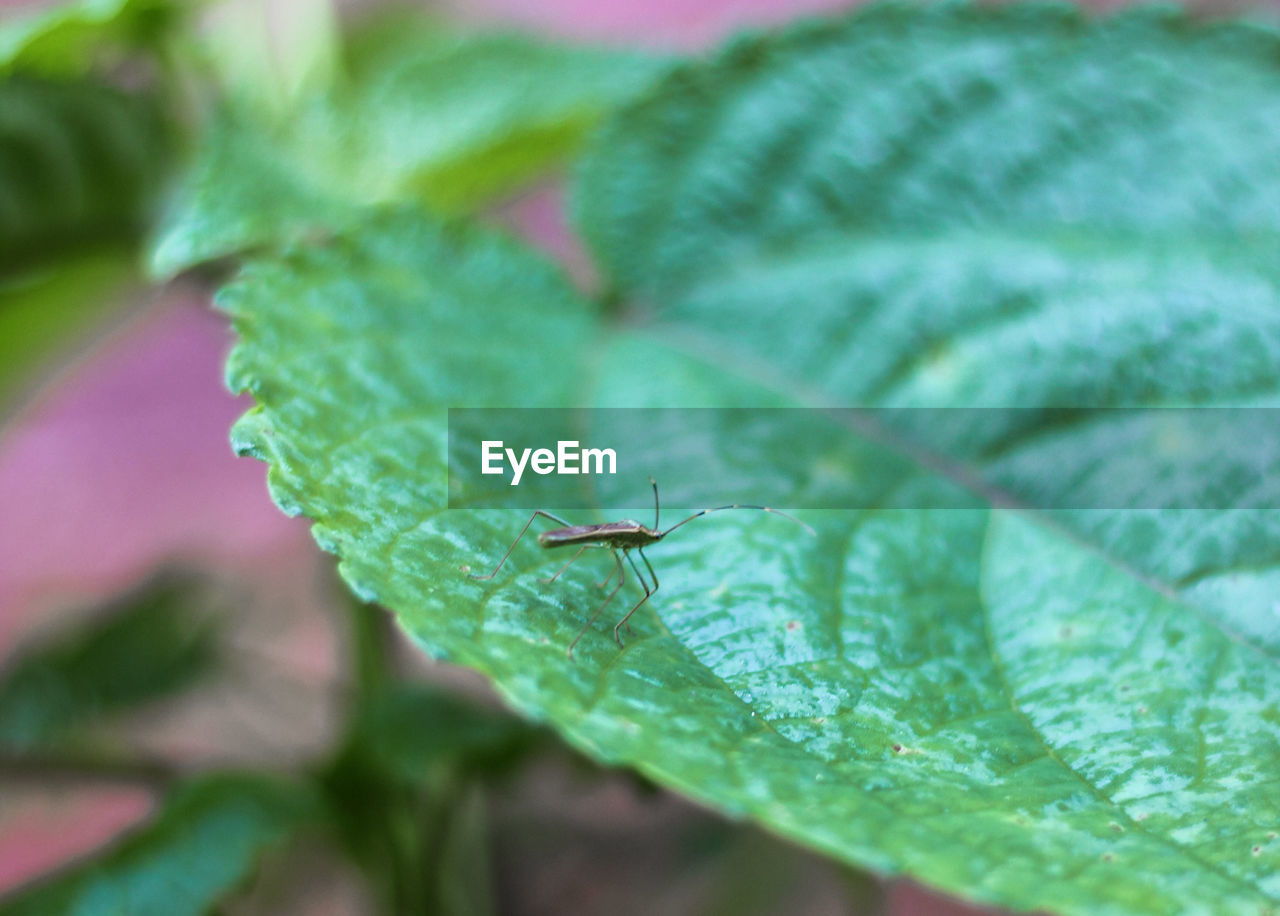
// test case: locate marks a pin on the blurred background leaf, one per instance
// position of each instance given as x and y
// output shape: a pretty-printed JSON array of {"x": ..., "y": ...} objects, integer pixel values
[
  {"x": 904, "y": 125},
  {"x": 83, "y": 163},
  {"x": 80, "y": 163},
  {"x": 450, "y": 121},
  {"x": 69, "y": 39},
  {"x": 205, "y": 841},
  {"x": 150, "y": 646},
  {"x": 45, "y": 308}
]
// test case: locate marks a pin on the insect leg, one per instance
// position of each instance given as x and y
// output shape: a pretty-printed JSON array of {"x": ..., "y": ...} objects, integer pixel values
[
  {"x": 643, "y": 584},
  {"x": 558, "y": 521},
  {"x": 600, "y": 610},
  {"x": 581, "y": 550},
  {"x": 612, "y": 573},
  {"x": 652, "y": 574}
]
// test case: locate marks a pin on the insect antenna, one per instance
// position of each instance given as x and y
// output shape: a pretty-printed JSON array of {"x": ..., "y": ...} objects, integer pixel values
[
  {"x": 740, "y": 506},
  {"x": 655, "y": 503}
]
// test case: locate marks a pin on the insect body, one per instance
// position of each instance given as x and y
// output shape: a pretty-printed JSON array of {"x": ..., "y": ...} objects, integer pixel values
[{"x": 621, "y": 538}]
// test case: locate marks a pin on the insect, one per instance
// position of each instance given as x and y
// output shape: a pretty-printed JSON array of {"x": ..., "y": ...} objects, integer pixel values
[{"x": 621, "y": 538}]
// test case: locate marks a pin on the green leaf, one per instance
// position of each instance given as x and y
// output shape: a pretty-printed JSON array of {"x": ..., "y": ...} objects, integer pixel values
[
  {"x": 79, "y": 163},
  {"x": 1037, "y": 123},
  {"x": 450, "y": 121},
  {"x": 975, "y": 226},
  {"x": 147, "y": 648},
  {"x": 942, "y": 207},
  {"x": 205, "y": 841},
  {"x": 67, "y": 39},
  {"x": 458, "y": 119}
]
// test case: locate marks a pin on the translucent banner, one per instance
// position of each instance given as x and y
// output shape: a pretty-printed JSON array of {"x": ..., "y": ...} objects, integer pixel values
[{"x": 864, "y": 458}]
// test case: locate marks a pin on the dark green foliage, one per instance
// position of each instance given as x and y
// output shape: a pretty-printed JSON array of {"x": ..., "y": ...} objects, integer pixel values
[
  {"x": 79, "y": 162},
  {"x": 148, "y": 647},
  {"x": 204, "y": 842}
]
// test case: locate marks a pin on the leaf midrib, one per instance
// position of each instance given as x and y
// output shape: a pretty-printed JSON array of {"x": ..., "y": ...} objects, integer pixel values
[
  {"x": 808, "y": 397},
  {"x": 732, "y": 362}
]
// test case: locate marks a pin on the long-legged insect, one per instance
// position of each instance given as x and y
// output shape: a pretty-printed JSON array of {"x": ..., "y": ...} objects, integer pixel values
[{"x": 620, "y": 538}]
